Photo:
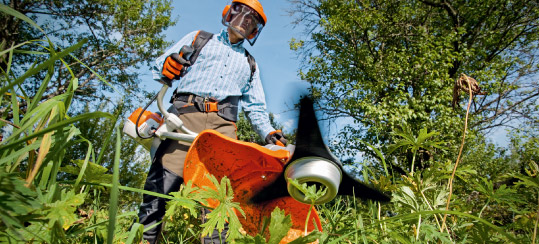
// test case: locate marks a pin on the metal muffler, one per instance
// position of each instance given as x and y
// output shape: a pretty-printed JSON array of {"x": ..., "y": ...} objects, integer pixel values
[{"x": 313, "y": 171}]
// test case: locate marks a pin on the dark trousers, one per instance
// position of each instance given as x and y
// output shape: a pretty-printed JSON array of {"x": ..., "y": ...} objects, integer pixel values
[{"x": 166, "y": 173}]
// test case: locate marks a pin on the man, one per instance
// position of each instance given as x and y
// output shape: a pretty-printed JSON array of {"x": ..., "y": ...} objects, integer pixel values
[{"x": 208, "y": 97}]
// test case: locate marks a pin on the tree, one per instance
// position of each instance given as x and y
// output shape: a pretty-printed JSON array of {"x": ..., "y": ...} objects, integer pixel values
[
  {"x": 392, "y": 64},
  {"x": 122, "y": 36}
]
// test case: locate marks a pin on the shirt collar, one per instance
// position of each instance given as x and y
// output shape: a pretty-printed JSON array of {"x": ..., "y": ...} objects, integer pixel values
[{"x": 223, "y": 37}]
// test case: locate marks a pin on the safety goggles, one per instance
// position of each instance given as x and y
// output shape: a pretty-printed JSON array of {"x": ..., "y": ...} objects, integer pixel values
[{"x": 244, "y": 20}]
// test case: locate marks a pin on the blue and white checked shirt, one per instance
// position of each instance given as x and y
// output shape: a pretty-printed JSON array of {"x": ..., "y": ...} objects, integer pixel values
[{"x": 221, "y": 70}]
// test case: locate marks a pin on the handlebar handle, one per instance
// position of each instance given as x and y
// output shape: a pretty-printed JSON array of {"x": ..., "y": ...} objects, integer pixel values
[
  {"x": 172, "y": 122},
  {"x": 160, "y": 97}
]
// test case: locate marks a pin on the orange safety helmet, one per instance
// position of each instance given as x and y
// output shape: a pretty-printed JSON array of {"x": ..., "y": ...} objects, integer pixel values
[{"x": 246, "y": 13}]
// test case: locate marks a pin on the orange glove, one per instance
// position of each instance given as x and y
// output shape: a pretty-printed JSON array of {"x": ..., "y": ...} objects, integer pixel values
[
  {"x": 175, "y": 64},
  {"x": 276, "y": 138}
]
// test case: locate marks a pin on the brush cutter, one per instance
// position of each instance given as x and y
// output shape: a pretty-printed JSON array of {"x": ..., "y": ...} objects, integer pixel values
[{"x": 260, "y": 175}]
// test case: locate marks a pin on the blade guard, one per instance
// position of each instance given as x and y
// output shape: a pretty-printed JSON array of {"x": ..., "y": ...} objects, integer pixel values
[{"x": 250, "y": 168}]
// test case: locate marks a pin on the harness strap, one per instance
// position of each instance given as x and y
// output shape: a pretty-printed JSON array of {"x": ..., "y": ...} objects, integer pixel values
[
  {"x": 252, "y": 64},
  {"x": 190, "y": 103},
  {"x": 201, "y": 38}
]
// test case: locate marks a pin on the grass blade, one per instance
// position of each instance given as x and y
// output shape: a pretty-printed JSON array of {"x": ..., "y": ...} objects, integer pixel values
[
  {"x": 137, "y": 190},
  {"x": 135, "y": 234},
  {"x": 108, "y": 137},
  {"x": 58, "y": 126},
  {"x": 413, "y": 216},
  {"x": 15, "y": 107},
  {"x": 12, "y": 50},
  {"x": 114, "y": 191},
  {"x": 9, "y": 11},
  {"x": 99, "y": 224},
  {"x": 42, "y": 89},
  {"x": 380, "y": 155},
  {"x": 9, "y": 159},
  {"x": 9, "y": 62},
  {"x": 85, "y": 164},
  {"x": 38, "y": 115},
  {"x": 43, "y": 151}
]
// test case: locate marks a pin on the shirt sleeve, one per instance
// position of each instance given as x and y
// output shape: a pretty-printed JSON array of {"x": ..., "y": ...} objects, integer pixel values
[
  {"x": 158, "y": 65},
  {"x": 254, "y": 104}
]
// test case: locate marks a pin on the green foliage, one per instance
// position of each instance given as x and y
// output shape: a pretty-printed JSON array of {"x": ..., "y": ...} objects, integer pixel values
[
  {"x": 246, "y": 132},
  {"x": 415, "y": 143},
  {"x": 393, "y": 64},
  {"x": 63, "y": 210},
  {"x": 93, "y": 173},
  {"x": 409, "y": 142},
  {"x": 489, "y": 205},
  {"x": 190, "y": 196},
  {"x": 17, "y": 204},
  {"x": 389, "y": 65},
  {"x": 183, "y": 215},
  {"x": 279, "y": 226},
  {"x": 134, "y": 161},
  {"x": 114, "y": 191},
  {"x": 225, "y": 212},
  {"x": 531, "y": 180},
  {"x": 311, "y": 192}
]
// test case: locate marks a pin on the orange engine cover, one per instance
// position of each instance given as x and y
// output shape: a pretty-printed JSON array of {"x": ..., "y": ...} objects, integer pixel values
[{"x": 250, "y": 167}]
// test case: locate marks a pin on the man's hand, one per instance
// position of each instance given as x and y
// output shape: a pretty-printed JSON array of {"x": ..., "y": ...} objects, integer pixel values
[
  {"x": 175, "y": 65},
  {"x": 276, "y": 138}
]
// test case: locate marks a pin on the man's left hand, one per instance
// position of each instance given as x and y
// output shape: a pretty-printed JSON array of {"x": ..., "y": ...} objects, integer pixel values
[{"x": 276, "y": 138}]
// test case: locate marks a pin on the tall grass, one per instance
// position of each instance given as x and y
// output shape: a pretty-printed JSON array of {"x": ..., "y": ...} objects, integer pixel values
[{"x": 38, "y": 207}]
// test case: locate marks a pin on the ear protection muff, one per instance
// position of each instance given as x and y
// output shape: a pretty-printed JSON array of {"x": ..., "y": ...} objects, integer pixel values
[{"x": 225, "y": 11}]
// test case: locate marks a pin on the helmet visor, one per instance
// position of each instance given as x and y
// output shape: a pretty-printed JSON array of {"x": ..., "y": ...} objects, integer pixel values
[{"x": 244, "y": 20}]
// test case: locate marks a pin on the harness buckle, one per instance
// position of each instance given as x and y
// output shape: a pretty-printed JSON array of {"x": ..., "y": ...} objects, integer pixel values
[{"x": 210, "y": 105}]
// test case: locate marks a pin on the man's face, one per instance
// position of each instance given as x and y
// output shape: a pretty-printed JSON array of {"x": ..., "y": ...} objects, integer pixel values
[{"x": 244, "y": 20}]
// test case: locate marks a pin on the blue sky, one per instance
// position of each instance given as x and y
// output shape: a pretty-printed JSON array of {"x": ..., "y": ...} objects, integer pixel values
[{"x": 277, "y": 63}]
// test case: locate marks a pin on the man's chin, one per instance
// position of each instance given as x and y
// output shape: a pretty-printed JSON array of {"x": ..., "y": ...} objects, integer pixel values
[{"x": 237, "y": 33}]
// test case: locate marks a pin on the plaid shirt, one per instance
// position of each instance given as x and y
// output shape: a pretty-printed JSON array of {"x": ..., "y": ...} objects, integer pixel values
[{"x": 221, "y": 70}]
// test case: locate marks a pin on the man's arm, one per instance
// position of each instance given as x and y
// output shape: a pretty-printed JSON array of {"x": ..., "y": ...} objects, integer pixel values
[{"x": 253, "y": 102}]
